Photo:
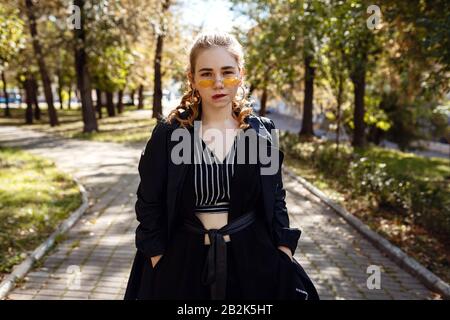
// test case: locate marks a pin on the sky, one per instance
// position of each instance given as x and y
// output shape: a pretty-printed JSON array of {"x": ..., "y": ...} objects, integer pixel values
[{"x": 215, "y": 14}]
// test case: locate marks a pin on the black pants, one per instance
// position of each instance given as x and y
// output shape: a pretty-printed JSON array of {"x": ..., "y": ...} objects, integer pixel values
[{"x": 256, "y": 268}]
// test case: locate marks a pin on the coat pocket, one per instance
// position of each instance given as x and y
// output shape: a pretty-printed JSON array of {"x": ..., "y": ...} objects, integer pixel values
[
  {"x": 158, "y": 264},
  {"x": 301, "y": 286},
  {"x": 304, "y": 287}
]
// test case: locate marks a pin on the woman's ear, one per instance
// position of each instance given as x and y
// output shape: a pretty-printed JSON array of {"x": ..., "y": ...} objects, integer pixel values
[{"x": 191, "y": 79}]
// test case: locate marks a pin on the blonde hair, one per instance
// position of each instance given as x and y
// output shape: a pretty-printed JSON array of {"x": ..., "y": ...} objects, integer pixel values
[{"x": 191, "y": 99}]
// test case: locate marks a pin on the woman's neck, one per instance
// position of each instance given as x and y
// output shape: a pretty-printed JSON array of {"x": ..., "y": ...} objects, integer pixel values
[{"x": 218, "y": 117}]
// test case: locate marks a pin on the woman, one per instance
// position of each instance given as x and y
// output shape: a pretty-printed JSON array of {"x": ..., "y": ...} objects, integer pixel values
[{"x": 214, "y": 226}]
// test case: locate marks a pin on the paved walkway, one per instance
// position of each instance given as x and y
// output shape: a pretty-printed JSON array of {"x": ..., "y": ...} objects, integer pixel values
[{"x": 101, "y": 245}]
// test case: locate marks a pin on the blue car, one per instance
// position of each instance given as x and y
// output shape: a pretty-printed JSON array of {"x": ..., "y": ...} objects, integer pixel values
[{"x": 12, "y": 98}]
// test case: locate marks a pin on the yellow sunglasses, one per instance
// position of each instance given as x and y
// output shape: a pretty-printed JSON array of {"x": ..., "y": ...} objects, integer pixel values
[{"x": 227, "y": 82}]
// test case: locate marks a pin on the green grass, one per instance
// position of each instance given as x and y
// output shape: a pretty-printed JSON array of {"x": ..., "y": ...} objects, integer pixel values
[
  {"x": 127, "y": 127},
  {"x": 397, "y": 162},
  {"x": 34, "y": 198}
]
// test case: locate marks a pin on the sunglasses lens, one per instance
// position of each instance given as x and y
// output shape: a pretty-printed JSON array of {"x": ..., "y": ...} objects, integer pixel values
[
  {"x": 208, "y": 83},
  {"x": 231, "y": 82}
]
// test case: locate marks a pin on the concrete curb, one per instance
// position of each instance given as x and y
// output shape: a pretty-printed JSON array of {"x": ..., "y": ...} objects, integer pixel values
[
  {"x": 24, "y": 267},
  {"x": 429, "y": 279}
]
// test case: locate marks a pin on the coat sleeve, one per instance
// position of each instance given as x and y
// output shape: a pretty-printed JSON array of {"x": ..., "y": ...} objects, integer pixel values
[
  {"x": 151, "y": 233},
  {"x": 283, "y": 234}
]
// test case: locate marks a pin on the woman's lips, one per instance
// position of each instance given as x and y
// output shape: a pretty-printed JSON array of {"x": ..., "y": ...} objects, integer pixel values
[{"x": 218, "y": 96}]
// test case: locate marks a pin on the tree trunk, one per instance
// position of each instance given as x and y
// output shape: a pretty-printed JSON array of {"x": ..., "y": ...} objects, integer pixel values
[
  {"x": 141, "y": 97},
  {"x": 119, "y": 101},
  {"x": 307, "y": 121},
  {"x": 263, "y": 102},
  {"x": 110, "y": 104},
  {"x": 5, "y": 93},
  {"x": 157, "y": 87},
  {"x": 60, "y": 90},
  {"x": 157, "y": 91},
  {"x": 34, "y": 94},
  {"x": 22, "y": 94},
  {"x": 41, "y": 62},
  {"x": 359, "y": 86},
  {"x": 338, "y": 112},
  {"x": 132, "y": 97},
  {"x": 98, "y": 94},
  {"x": 251, "y": 89},
  {"x": 70, "y": 97},
  {"x": 83, "y": 77},
  {"x": 28, "y": 87}
]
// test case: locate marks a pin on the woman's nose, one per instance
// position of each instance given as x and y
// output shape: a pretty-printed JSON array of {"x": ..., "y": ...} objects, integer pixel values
[{"x": 218, "y": 82}]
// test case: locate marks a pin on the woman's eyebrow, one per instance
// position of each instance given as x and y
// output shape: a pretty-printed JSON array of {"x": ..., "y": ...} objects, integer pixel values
[{"x": 210, "y": 69}]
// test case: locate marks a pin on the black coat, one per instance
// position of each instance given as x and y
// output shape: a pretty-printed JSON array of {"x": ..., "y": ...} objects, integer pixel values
[{"x": 158, "y": 195}]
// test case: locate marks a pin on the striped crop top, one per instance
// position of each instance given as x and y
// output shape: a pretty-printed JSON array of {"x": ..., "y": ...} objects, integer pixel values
[{"x": 212, "y": 178}]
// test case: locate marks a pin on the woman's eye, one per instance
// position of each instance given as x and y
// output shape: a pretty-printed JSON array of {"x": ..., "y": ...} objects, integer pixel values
[
  {"x": 207, "y": 74},
  {"x": 229, "y": 72}
]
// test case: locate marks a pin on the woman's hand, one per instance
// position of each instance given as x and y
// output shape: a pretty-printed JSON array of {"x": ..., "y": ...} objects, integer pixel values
[
  {"x": 286, "y": 250},
  {"x": 155, "y": 260}
]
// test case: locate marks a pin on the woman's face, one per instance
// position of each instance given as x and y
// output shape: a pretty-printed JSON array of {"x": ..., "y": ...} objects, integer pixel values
[{"x": 217, "y": 77}]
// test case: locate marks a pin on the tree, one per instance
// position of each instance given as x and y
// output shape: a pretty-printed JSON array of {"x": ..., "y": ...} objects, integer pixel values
[
  {"x": 60, "y": 51},
  {"x": 261, "y": 61},
  {"x": 160, "y": 31},
  {"x": 413, "y": 71},
  {"x": 334, "y": 69},
  {"x": 311, "y": 32},
  {"x": 360, "y": 47},
  {"x": 11, "y": 40},
  {"x": 82, "y": 71},
  {"x": 30, "y": 12},
  {"x": 110, "y": 69},
  {"x": 287, "y": 34}
]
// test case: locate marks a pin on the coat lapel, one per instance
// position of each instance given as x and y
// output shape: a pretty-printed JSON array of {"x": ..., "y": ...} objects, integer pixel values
[
  {"x": 176, "y": 175},
  {"x": 267, "y": 181}
]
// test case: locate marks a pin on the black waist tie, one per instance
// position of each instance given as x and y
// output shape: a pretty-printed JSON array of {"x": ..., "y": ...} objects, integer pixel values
[{"x": 215, "y": 269}]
